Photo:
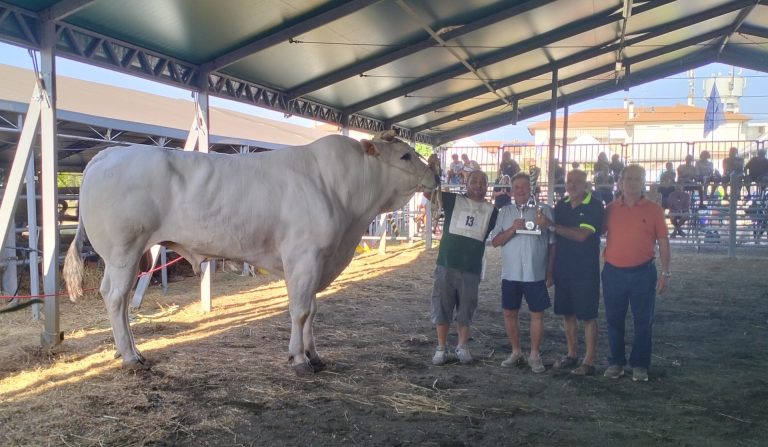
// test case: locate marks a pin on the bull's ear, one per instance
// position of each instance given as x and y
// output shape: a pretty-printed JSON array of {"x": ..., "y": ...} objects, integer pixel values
[{"x": 369, "y": 148}]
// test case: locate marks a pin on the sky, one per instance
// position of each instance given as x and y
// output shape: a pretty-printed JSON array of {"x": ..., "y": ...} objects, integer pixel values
[{"x": 668, "y": 91}]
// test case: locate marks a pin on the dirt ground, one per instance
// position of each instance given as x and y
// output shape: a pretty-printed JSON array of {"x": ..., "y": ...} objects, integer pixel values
[{"x": 223, "y": 379}]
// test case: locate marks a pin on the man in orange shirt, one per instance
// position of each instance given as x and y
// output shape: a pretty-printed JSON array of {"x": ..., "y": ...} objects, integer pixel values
[{"x": 634, "y": 227}]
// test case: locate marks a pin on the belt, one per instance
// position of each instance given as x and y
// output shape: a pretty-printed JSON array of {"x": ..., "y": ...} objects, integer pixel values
[{"x": 642, "y": 266}]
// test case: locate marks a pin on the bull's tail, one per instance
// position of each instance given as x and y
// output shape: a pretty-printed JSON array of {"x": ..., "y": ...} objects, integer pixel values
[{"x": 73, "y": 264}]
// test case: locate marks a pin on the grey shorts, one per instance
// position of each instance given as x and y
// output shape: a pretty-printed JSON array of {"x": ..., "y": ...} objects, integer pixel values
[{"x": 454, "y": 290}]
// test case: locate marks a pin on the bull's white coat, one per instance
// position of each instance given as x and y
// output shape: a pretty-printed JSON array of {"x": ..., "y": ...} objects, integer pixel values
[{"x": 299, "y": 211}]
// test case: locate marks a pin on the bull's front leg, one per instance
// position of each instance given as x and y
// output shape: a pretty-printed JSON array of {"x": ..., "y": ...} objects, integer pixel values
[
  {"x": 310, "y": 350},
  {"x": 303, "y": 269},
  {"x": 301, "y": 282},
  {"x": 299, "y": 316}
]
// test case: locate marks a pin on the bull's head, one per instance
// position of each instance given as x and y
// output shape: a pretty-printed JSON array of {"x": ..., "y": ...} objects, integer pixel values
[{"x": 405, "y": 159}]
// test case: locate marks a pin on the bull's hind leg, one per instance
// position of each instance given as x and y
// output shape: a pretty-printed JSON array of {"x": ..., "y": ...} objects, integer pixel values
[{"x": 115, "y": 288}]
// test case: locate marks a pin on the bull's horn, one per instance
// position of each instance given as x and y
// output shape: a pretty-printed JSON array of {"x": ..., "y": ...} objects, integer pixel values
[{"x": 387, "y": 135}]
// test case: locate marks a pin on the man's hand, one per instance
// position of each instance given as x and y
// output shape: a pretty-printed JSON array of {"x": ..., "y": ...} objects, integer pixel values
[
  {"x": 518, "y": 224},
  {"x": 542, "y": 220},
  {"x": 662, "y": 284}
]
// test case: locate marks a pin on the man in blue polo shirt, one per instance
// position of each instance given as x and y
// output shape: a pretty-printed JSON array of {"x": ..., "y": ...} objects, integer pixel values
[{"x": 577, "y": 227}]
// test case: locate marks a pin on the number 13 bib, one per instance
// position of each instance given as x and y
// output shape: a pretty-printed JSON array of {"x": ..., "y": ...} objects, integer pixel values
[{"x": 470, "y": 218}]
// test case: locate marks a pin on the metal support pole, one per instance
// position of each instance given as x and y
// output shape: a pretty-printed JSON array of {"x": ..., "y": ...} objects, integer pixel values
[
  {"x": 144, "y": 281},
  {"x": 49, "y": 187},
  {"x": 428, "y": 231},
  {"x": 382, "y": 234},
  {"x": 10, "y": 273},
  {"x": 164, "y": 271},
  {"x": 564, "y": 156},
  {"x": 34, "y": 267},
  {"x": 552, "y": 141},
  {"x": 245, "y": 149},
  {"x": 207, "y": 267},
  {"x": 735, "y": 193}
]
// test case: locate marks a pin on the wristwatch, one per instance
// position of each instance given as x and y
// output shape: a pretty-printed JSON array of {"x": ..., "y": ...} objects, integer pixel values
[
  {"x": 666, "y": 274},
  {"x": 551, "y": 228}
]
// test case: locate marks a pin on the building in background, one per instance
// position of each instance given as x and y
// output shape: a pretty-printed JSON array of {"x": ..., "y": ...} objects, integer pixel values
[{"x": 655, "y": 124}]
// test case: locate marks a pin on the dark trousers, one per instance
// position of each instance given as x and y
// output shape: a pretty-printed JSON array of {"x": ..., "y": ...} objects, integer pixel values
[{"x": 622, "y": 288}]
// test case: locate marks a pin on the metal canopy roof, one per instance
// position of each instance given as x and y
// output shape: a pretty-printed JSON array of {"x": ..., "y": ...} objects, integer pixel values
[{"x": 435, "y": 70}]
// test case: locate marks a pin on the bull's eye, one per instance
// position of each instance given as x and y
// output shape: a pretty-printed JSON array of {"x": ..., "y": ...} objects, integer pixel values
[{"x": 406, "y": 157}]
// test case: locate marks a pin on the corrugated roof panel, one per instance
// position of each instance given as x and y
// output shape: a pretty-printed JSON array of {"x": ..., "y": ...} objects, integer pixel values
[
  {"x": 313, "y": 54},
  {"x": 191, "y": 30}
]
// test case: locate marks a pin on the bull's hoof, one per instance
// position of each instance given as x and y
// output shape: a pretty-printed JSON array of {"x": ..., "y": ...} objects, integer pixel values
[
  {"x": 136, "y": 366},
  {"x": 316, "y": 364},
  {"x": 139, "y": 358},
  {"x": 303, "y": 369},
  {"x": 139, "y": 364}
]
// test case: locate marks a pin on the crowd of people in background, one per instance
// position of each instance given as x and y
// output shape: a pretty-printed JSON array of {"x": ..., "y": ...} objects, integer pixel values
[{"x": 692, "y": 184}]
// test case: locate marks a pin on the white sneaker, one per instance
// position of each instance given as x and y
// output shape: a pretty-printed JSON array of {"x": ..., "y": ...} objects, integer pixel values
[
  {"x": 440, "y": 357},
  {"x": 464, "y": 356},
  {"x": 536, "y": 364},
  {"x": 514, "y": 359}
]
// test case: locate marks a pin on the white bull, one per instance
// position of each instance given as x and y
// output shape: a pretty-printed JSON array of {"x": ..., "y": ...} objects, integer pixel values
[{"x": 299, "y": 211}]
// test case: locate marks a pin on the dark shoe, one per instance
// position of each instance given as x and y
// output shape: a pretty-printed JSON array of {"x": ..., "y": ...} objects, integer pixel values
[
  {"x": 584, "y": 370},
  {"x": 566, "y": 362}
]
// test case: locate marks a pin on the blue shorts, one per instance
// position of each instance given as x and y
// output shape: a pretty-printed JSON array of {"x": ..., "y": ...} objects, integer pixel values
[
  {"x": 578, "y": 296},
  {"x": 536, "y": 295}
]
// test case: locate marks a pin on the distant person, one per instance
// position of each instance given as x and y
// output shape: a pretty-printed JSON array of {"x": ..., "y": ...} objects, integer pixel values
[
  {"x": 633, "y": 227},
  {"x": 433, "y": 161},
  {"x": 455, "y": 170},
  {"x": 469, "y": 167},
  {"x": 616, "y": 167},
  {"x": 526, "y": 270},
  {"x": 603, "y": 182},
  {"x": 575, "y": 165},
  {"x": 468, "y": 221},
  {"x": 601, "y": 164},
  {"x": 578, "y": 224},
  {"x": 559, "y": 177},
  {"x": 757, "y": 173},
  {"x": 679, "y": 209},
  {"x": 667, "y": 182},
  {"x": 502, "y": 194},
  {"x": 688, "y": 176},
  {"x": 535, "y": 172},
  {"x": 653, "y": 193},
  {"x": 508, "y": 166},
  {"x": 706, "y": 174},
  {"x": 733, "y": 166}
]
